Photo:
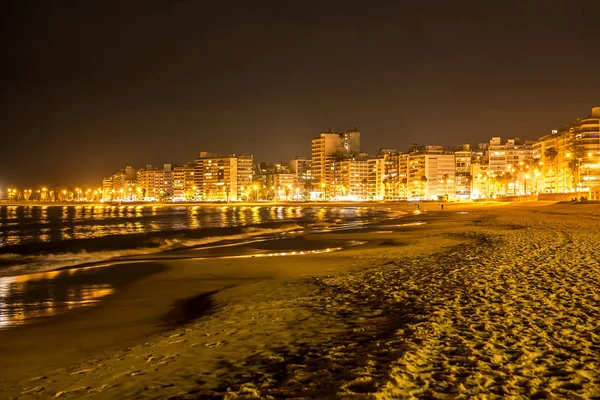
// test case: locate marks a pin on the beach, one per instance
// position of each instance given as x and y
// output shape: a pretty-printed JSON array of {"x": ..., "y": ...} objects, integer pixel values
[{"x": 487, "y": 300}]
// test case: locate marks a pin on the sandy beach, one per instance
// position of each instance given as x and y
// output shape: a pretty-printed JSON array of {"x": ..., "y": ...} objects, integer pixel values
[{"x": 484, "y": 300}]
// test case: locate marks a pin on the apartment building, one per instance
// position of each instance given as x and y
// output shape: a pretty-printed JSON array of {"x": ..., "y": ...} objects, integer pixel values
[
  {"x": 431, "y": 173},
  {"x": 183, "y": 182},
  {"x": 330, "y": 147}
]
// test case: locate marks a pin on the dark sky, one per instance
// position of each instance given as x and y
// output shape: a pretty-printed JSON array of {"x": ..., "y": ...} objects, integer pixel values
[{"x": 90, "y": 86}]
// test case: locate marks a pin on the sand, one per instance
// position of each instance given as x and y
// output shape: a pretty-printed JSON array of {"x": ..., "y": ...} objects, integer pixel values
[{"x": 483, "y": 301}]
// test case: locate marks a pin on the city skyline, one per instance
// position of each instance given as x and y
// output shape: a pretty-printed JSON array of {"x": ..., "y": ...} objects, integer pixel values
[
  {"x": 565, "y": 161},
  {"x": 97, "y": 84}
]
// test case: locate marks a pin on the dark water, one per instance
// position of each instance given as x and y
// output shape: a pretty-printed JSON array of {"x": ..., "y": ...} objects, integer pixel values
[
  {"x": 38, "y": 245},
  {"x": 39, "y": 238}
]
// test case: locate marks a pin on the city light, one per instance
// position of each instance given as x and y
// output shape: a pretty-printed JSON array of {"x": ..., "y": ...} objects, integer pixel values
[{"x": 559, "y": 162}]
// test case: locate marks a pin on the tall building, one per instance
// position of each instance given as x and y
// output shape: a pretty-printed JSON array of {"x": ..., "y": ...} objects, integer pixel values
[
  {"x": 509, "y": 165},
  {"x": 462, "y": 161},
  {"x": 431, "y": 173},
  {"x": 224, "y": 178},
  {"x": 585, "y": 157},
  {"x": 568, "y": 159},
  {"x": 183, "y": 182},
  {"x": 245, "y": 175},
  {"x": 281, "y": 185},
  {"x": 510, "y": 154},
  {"x": 120, "y": 186},
  {"x": 354, "y": 179},
  {"x": 215, "y": 177},
  {"x": 395, "y": 178},
  {"x": 376, "y": 176},
  {"x": 330, "y": 147},
  {"x": 107, "y": 194},
  {"x": 155, "y": 184},
  {"x": 551, "y": 161},
  {"x": 301, "y": 167}
]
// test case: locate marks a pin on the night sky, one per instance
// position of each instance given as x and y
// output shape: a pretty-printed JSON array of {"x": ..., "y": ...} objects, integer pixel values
[{"x": 89, "y": 87}]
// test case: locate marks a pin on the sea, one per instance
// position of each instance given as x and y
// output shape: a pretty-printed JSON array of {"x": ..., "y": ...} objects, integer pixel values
[{"x": 41, "y": 247}]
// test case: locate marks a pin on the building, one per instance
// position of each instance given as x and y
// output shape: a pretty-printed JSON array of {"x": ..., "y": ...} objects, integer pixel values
[
  {"x": 395, "y": 179},
  {"x": 301, "y": 167},
  {"x": 155, "y": 184},
  {"x": 224, "y": 178},
  {"x": 480, "y": 187},
  {"x": 354, "y": 179},
  {"x": 509, "y": 165},
  {"x": 551, "y": 161},
  {"x": 431, "y": 173},
  {"x": 183, "y": 182},
  {"x": 375, "y": 178},
  {"x": 215, "y": 177},
  {"x": 462, "y": 162},
  {"x": 245, "y": 176},
  {"x": 107, "y": 188},
  {"x": 510, "y": 154},
  {"x": 568, "y": 160},
  {"x": 328, "y": 148},
  {"x": 585, "y": 155},
  {"x": 120, "y": 186},
  {"x": 281, "y": 185}
]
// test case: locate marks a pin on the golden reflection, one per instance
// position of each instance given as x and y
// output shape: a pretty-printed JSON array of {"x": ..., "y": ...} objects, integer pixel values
[
  {"x": 256, "y": 215},
  {"x": 44, "y": 235},
  {"x": 320, "y": 214},
  {"x": 224, "y": 220},
  {"x": 14, "y": 310},
  {"x": 241, "y": 213},
  {"x": 65, "y": 234},
  {"x": 289, "y": 212}
]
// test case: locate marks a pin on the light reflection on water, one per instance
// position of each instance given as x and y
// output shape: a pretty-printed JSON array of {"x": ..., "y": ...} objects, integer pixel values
[
  {"x": 24, "y": 225},
  {"x": 30, "y": 297}
]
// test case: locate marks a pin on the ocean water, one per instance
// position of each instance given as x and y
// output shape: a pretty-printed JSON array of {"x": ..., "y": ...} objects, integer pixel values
[
  {"x": 41, "y": 238},
  {"x": 38, "y": 244}
]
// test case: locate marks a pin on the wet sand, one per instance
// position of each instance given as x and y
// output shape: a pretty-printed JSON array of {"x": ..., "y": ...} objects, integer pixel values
[{"x": 383, "y": 319}]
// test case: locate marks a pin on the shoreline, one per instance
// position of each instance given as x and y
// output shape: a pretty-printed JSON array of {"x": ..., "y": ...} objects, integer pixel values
[
  {"x": 189, "y": 281},
  {"x": 238, "y": 204},
  {"x": 427, "y": 291}
]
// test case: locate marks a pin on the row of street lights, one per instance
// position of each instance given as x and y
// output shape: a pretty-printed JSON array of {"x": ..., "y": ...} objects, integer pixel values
[{"x": 47, "y": 195}]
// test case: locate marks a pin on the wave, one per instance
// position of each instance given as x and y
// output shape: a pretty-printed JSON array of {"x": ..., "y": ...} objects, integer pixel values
[{"x": 18, "y": 264}]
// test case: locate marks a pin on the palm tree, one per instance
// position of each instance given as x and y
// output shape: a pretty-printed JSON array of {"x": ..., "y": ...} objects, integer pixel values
[
  {"x": 405, "y": 183},
  {"x": 424, "y": 182},
  {"x": 445, "y": 178}
]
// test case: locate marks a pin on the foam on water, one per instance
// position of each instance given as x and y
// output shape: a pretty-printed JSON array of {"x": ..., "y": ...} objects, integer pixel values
[{"x": 26, "y": 264}]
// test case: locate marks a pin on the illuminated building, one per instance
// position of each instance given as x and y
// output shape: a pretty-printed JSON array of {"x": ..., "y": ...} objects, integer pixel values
[
  {"x": 509, "y": 164},
  {"x": 462, "y": 161},
  {"x": 223, "y": 178},
  {"x": 354, "y": 179},
  {"x": 431, "y": 173},
  {"x": 155, "y": 184},
  {"x": 107, "y": 189},
  {"x": 569, "y": 159},
  {"x": 585, "y": 157},
  {"x": 183, "y": 182},
  {"x": 301, "y": 167},
  {"x": 395, "y": 179},
  {"x": 481, "y": 180},
  {"x": 281, "y": 185},
  {"x": 328, "y": 148},
  {"x": 375, "y": 178},
  {"x": 245, "y": 175}
]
